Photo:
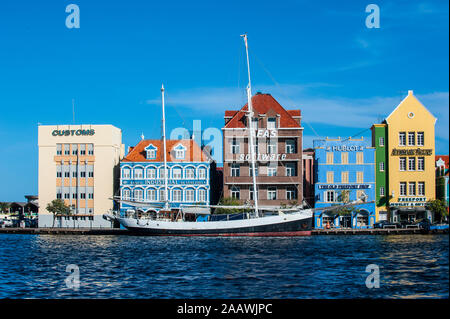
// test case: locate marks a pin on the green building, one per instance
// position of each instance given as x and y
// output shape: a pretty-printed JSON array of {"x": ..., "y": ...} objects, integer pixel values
[{"x": 380, "y": 142}]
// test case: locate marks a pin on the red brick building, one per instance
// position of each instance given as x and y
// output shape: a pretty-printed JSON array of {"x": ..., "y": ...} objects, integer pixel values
[{"x": 278, "y": 154}]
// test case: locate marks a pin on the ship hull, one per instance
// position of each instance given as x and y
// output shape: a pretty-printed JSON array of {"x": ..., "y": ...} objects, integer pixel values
[{"x": 273, "y": 226}]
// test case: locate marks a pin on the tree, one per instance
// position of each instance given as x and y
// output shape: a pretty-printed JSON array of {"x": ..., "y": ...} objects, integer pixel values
[
  {"x": 438, "y": 207},
  {"x": 57, "y": 206},
  {"x": 229, "y": 201},
  {"x": 4, "y": 207}
]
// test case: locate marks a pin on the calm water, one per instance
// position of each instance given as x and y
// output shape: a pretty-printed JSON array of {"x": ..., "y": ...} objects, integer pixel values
[{"x": 151, "y": 267}]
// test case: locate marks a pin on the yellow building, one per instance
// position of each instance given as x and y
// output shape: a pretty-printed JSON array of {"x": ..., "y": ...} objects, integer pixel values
[
  {"x": 410, "y": 156},
  {"x": 79, "y": 165}
]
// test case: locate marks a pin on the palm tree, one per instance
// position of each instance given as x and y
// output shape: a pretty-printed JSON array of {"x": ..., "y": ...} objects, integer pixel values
[{"x": 4, "y": 207}]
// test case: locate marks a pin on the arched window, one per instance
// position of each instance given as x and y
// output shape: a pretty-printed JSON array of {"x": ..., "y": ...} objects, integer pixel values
[
  {"x": 190, "y": 195},
  {"x": 177, "y": 195}
]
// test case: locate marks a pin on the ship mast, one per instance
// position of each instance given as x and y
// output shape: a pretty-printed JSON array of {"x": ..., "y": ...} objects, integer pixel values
[
  {"x": 252, "y": 133},
  {"x": 166, "y": 193}
]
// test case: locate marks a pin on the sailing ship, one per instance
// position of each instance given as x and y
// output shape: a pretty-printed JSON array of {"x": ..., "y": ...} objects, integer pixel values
[{"x": 197, "y": 220}]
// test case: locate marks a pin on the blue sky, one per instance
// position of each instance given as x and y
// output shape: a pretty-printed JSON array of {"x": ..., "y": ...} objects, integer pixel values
[{"x": 314, "y": 55}]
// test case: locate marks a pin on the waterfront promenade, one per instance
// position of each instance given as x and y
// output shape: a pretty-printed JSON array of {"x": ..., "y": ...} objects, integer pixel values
[{"x": 118, "y": 231}]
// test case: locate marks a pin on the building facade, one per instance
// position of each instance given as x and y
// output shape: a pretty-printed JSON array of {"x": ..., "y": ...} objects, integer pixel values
[
  {"x": 189, "y": 173},
  {"x": 308, "y": 176},
  {"x": 442, "y": 178},
  {"x": 380, "y": 143},
  {"x": 344, "y": 172},
  {"x": 79, "y": 165},
  {"x": 411, "y": 160},
  {"x": 278, "y": 152}
]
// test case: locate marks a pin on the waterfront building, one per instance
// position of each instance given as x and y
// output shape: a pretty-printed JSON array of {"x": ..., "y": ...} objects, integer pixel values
[
  {"x": 405, "y": 144},
  {"x": 442, "y": 178},
  {"x": 188, "y": 178},
  {"x": 380, "y": 143},
  {"x": 344, "y": 172},
  {"x": 278, "y": 152},
  {"x": 308, "y": 176},
  {"x": 79, "y": 165}
]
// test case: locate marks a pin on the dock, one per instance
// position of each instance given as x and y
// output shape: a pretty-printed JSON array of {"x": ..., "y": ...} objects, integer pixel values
[{"x": 375, "y": 231}]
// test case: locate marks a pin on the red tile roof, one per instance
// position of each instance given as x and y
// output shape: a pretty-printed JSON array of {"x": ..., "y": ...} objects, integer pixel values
[
  {"x": 193, "y": 151},
  {"x": 262, "y": 104},
  {"x": 444, "y": 158}
]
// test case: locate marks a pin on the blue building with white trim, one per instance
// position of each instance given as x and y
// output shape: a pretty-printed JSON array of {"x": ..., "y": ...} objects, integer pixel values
[
  {"x": 344, "y": 171},
  {"x": 189, "y": 173}
]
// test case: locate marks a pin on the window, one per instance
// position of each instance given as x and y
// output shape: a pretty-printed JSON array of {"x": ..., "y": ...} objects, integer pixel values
[
  {"x": 381, "y": 141},
  {"x": 162, "y": 194},
  {"x": 329, "y": 196},
  {"x": 151, "y": 173},
  {"x": 91, "y": 195},
  {"x": 344, "y": 177},
  {"x": 344, "y": 158},
  {"x": 234, "y": 146},
  {"x": 272, "y": 170},
  {"x": 291, "y": 193},
  {"x": 74, "y": 174},
  {"x": 254, "y": 123},
  {"x": 235, "y": 192},
  {"x": 402, "y": 164},
  {"x": 66, "y": 195},
  {"x": 421, "y": 163},
  {"x": 91, "y": 174},
  {"x": 66, "y": 174},
  {"x": 381, "y": 191},
  {"x": 162, "y": 173},
  {"x": 250, "y": 170},
  {"x": 138, "y": 194},
  {"x": 179, "y": 154},
  {"x": 201, "y": 173},
  {"x": 190, "y": 173},
  {"x": 151, "y": 194},
  {"x": 329, "y": 158},
  {"x": 402, "y": 188},
  {"x": 58, "y": 174},
  {"x": 251, "y": 193},
  {"x": 412, "y": 188},
  {"x": 126, "y": 173},
  {"x": 411, "y": 138},
  {"x": 402, "y": 139},
  {"x": 83, "y": 195},
  {"x": 360, "y": 195},
  {"x": 411, "y": 164},
  {"x": 271, "y": 123},
  {"x": 176, "y": 173},
  {"x": 58, "y": 149},
  {"x": 360, "y": 177},
  {"x": 359, "y": 158},
  {"x": 271, "y": 193},
  {"x": 90, "y": 149},
  {"x": 202, "y": 195},
  {"x": 177, "y": 195},
  {"x": 83, "y": 174},
  {"x": 66, "y": 149},
  {"x": 138, "y": 173},
  {"x": 381, "y": 166},
  {"x": 74, "y": 149},
  {"x": 290, "y": 147},
  {"x": 421, "y": 189},
  {"x": 272, "y": 146},
  {"x": 82, "y": 149},
  {"x": 151, "y": 154},
  {"x": 235, "y": 169},
  {"x": 126, "y": 193},
  {"x": 291, "y": 169},
  {"x": 59, "y": 195},
  {"x": 420, "y": 139},
  {"x": 330, "y": 177},
  {"x": 190, "y": 195}
]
